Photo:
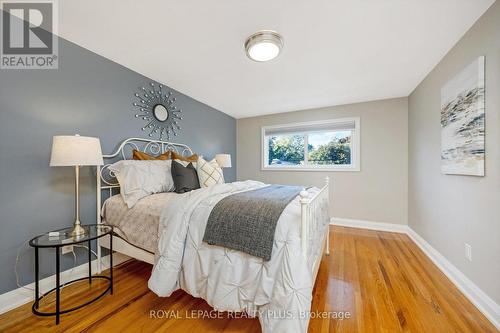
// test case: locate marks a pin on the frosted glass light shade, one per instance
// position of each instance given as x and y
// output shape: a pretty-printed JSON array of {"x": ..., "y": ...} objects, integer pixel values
[
  {"x": 224, "y": 160},
  {"x": 263, "y": 51},
  {"x": 72, "y": 150},
  {"x": 263, "y": 45}
]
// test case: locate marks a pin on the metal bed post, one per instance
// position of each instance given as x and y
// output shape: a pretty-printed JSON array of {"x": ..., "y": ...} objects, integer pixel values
[
  {"x": 308, "y": 211},
  {"x": 98, "y": 173},
  {"x": 327, "y": 182},
  {"x": 304, "y": 202}
]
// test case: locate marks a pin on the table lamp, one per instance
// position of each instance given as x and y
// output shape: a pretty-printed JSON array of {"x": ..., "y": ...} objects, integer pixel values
[
  {"x": 76, "y": 151},
  {"x": 224, "y": 160}
]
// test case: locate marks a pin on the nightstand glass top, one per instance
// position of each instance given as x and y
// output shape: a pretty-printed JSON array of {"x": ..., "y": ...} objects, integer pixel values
[{"x": 64, "y": 238}]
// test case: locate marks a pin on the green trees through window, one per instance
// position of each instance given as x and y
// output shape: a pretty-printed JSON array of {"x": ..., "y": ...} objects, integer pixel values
[
  {"x": 336, "y": 151},
  {"x": 323, "y": 148},
  {"x": 286, "y": 149}
]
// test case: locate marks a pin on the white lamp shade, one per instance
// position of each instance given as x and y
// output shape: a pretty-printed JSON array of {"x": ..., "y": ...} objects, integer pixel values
[
  {"x": 68, "y": 150},
  {"x": 224, "y": 160}
]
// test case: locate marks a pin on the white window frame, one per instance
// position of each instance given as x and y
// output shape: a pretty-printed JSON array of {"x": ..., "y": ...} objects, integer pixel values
[{"x": 355, "y": 147}]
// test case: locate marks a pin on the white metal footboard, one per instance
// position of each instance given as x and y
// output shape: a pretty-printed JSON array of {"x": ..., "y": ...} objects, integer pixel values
[{"x": 311, "y": 220}]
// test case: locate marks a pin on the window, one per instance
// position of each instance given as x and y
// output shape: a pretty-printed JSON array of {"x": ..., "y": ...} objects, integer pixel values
[{"x": 318, "y": 145}]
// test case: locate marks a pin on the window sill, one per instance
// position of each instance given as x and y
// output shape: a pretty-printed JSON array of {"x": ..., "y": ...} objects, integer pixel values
[{"x": 320, "y": 169}]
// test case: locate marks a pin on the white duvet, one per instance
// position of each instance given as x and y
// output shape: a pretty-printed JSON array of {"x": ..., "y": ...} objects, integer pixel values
[{"x": 279, "y": 291}]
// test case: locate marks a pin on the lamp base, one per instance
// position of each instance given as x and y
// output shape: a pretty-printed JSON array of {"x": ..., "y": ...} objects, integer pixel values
[{"x": 78, "y": 230}]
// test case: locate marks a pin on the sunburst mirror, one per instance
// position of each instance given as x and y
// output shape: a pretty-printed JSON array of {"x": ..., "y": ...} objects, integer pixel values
[{"x": 156, "y": 107}]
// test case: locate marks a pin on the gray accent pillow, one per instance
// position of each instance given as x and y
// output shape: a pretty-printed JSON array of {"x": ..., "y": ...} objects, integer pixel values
[{"x": 185, "y": 177}]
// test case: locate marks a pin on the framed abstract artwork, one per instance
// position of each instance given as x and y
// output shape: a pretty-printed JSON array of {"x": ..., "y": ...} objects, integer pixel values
[{"x": 462, "y": 122}]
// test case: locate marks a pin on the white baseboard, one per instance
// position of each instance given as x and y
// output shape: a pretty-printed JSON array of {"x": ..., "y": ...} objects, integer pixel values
[
  {"x": 371, "y": 225},
  {"x": 481, "y": 301},
  {"x": 20, "y": 296}
]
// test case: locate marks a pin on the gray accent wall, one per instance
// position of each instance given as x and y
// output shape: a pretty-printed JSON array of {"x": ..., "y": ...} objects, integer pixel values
[
  {"x": 89, "y": 95},
  {"x": 378, "y": 192},
  {"x": 447, "y": 210}
]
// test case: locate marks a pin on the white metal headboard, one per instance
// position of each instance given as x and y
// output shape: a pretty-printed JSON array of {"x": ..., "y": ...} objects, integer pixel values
[{"x": 106, "y": 180}]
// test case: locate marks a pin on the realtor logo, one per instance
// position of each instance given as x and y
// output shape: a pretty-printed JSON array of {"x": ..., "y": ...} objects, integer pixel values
[{"x": 28, "y": 35}]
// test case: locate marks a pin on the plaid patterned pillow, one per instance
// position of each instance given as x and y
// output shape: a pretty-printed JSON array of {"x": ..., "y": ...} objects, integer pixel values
[{"x": 209, "y": 173}]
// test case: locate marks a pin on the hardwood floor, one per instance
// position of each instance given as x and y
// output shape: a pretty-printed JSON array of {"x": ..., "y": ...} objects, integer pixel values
[{"x": 382, "y": 279}]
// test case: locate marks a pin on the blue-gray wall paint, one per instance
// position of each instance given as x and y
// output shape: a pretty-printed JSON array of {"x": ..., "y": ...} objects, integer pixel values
[{"x": 89, "y": 95}]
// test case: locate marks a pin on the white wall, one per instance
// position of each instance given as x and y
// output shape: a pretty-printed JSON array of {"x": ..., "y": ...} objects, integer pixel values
[
  {"x": 378, "y": 192},
  {"x": 446, "y": 210}
]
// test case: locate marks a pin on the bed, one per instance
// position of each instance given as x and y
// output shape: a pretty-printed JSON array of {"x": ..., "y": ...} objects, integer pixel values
[{"x": 167, "y": 229}]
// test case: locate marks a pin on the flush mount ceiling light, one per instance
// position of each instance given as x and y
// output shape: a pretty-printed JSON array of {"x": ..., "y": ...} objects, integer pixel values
[{"x": 263, "y": 45}]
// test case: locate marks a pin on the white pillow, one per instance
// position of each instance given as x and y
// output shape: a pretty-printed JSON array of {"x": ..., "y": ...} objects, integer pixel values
[
  {"x": 209, "y": 173},
  {"x": 139, "y": 179}
]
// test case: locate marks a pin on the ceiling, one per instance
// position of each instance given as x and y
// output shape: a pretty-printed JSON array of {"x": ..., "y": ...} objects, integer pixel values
[{"x": 335, "y": 52}]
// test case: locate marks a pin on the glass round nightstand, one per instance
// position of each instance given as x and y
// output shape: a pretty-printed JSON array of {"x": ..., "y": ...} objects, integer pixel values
[{"x": 64, "y": 238}]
